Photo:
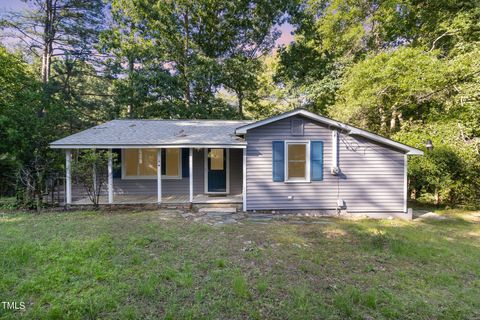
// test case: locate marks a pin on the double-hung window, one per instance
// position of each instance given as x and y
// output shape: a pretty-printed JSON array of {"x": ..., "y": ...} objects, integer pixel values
[{"x": 297, "y": 161}]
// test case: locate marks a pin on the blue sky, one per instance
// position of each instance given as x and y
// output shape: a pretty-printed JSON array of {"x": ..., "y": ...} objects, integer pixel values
[{"x": 11, "y": 5}]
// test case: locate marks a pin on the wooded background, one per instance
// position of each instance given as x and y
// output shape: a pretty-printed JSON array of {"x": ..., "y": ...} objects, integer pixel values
[{"x": 408, "y": 70}]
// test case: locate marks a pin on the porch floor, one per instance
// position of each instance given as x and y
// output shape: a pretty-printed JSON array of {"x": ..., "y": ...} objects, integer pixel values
[{"x": 166, "y": 199}]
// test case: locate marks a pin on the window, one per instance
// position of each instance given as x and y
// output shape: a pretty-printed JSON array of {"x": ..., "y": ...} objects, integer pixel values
[
  {"x": 216, "y": 159},
  {"x": 147, "y": 162},
  {"x": 142, "y": 163},
  {"x": 297, "y": 164},
  {"x": 172, "y": 162}
]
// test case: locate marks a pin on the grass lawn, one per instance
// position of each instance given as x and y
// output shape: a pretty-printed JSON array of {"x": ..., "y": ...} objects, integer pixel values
[{"x": 155, "y": 264}]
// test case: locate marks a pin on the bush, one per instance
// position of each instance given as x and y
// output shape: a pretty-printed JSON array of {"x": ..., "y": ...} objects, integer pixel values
[{"x": 448, "y": 174}]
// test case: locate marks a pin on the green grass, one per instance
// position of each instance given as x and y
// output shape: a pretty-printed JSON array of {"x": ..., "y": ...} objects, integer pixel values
[{"x": 148, "y": 265}]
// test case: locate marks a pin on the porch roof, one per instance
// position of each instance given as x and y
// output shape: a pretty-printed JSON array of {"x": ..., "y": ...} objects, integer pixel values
[{"x": 156, "y": 133}]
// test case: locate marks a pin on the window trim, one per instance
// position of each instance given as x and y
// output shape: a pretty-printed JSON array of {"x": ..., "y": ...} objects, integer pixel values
[
  {"x": 152, "y": 177},
  {"x": 307, "y": 161}
]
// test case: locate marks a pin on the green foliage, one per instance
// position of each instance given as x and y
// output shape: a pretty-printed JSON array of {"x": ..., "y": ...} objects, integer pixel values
[
  {"x": 90, "y": 169},
  {"x": 55, "y": 94},
  {"x": 449, "y": 172},
  {"x": 175, "y": 56},
  {"x": 310, "y": 74},
  {"x": 382, "y": 90},
  {"x": 270, "y": 98},
  {"x": 26, "y": 160},
  {"x": 16, "y": 88}
]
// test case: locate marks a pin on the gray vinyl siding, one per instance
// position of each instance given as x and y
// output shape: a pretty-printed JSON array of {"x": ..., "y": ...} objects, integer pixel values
[
  {"x": 236, "y": 168},
  {"x": 198, "y": 172},
  {"x": 175, "y": 186},
  {"x": 372, "y": 175}
]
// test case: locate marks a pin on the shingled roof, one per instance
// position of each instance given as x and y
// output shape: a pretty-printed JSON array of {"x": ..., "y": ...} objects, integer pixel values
[{"x": 143, "y": 133}]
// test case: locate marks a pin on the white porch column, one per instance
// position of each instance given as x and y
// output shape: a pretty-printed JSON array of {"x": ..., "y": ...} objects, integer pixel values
[
  {"x": 110, "y": 177},
  {"x": 190, "y": 172},
  {"x": 68, "y": 177},
  {"x": 159, "y": 176},
  {"x": 244, "y": 184},
  {"x": 94, "y": 171}
]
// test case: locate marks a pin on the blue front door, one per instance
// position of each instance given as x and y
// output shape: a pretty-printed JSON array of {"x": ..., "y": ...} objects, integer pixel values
[{"x": 217, "y": 170}]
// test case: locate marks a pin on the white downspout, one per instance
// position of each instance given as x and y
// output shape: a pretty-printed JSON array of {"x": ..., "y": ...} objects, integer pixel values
[{"x": 334, "y": 150}]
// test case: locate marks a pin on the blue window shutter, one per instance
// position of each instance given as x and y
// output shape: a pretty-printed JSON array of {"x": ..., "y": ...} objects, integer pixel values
[
  {"x": 185, "y": 169},
  {"x": 278, "y": 161},
  {"x": 316, "y": 160},
  {"x": 164, "y": 162}
]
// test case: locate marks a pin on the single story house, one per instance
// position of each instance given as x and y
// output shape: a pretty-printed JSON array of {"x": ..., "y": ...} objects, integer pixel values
[{"x": 294, "y": 161}]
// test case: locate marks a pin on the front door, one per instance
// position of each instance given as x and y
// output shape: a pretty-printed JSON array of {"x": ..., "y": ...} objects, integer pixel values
[{"x": 216, "y": 170}]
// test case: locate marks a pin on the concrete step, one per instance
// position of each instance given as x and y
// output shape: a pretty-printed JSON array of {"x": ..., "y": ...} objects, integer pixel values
[{"x": 217, "y": 210}]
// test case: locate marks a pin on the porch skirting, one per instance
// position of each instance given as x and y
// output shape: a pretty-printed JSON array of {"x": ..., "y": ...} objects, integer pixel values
[{"x": 166, "y": 199}]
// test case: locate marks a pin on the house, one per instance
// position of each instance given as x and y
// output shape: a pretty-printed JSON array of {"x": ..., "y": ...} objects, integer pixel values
[{"x": 294, "y": 161}]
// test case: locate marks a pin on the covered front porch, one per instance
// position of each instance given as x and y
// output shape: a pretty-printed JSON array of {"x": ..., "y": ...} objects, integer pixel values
[
  {"x": 172, "y": 175},
  {"x": 157, "y": 161}
]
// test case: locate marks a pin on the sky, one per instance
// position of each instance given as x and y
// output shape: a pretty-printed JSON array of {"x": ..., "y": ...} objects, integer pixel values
[
  {"x": 285, "y": 38},
  {"x": 11, "y": 5}
]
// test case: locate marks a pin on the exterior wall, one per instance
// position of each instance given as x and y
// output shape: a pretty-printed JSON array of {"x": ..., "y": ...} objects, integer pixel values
[
  {"x": 371, "y": 178},
  {"x": 236, "y": 167},
  {"x": 175, "y": 186}
]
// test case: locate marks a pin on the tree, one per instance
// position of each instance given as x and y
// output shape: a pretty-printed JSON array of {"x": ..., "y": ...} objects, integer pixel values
[
  {"x": 56, "y": 28},
  {"x": 331, "y": 36},
  {"x": 240, "y": 76},
  {"x": 197, "y": 46},
  {"x": 271, "y": 98},
  {"x": 448, "y": 174},
  {"x": 381, "y": 91},
  {"x": 18, "y": 89},
  {"x": 91, "y": 170},
  {"x": 58, "y": 36},
  {"x": 24, "y": 151}
]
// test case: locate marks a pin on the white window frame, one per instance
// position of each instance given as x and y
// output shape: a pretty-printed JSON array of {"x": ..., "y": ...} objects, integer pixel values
[
  {"x": 152, "y": 177},
  {"x": 307, "y": 161}
]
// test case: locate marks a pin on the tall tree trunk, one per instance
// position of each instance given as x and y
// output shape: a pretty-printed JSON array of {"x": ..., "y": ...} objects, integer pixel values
[
  {"x": 383, "y": 120},
  {"x": 400, "y": 118},
  {"x": 240, "y": 104},
  {"x": 131, "y": 69},
  {"x": 393, "y": 120},
  {"x": 47, "y": 52},
  {"x": 413, "y": 194},
  {"x": 186, "y": 26}
]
